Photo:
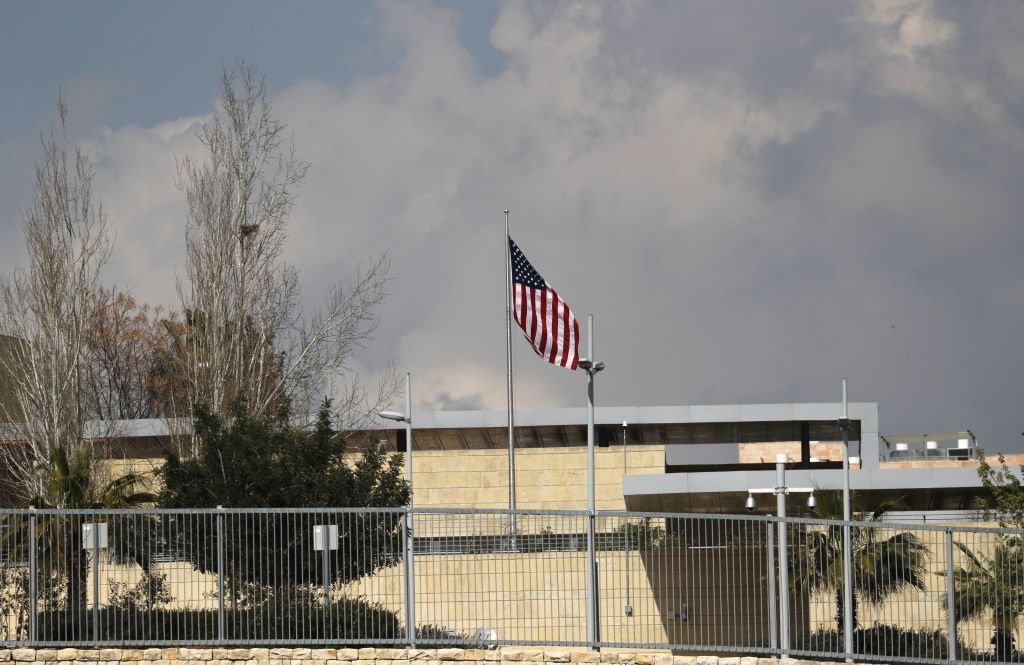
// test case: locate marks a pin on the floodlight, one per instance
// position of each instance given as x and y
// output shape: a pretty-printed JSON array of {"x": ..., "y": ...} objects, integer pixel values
[{"x": 392, "y": 415}]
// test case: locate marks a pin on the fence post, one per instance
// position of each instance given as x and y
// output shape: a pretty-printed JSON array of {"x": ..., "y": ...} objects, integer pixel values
[
  {"x": 780, "y": 507},
  {"x": 773, "y": 617},
  {"x": 950, "y": 605},
  {"x": 220, "y": 574},
  {"x": 327, "y": 570},
  {"x": 33, "y": 591},
  {"x": 593, "y": 632},
  {"x": 96, "y": 584},
  {"x": 410, "y": 580},
  {"x": 847, "y": 594}
]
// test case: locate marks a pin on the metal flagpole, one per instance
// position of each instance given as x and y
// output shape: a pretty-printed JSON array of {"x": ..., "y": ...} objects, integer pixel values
[
  {"x": 410, "y": 542},
  {"x": 591, "y": 503},
  {"x": 508, "y": 357},
  {"x": 844, "y": 425}
]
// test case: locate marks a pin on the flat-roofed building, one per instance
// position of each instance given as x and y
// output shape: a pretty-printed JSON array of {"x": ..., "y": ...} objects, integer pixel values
[{"x": 666, "y": 458}]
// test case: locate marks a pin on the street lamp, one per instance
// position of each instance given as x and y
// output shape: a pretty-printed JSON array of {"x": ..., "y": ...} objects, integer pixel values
[
  {"x": 751, "y": 505},
  {"x": 407, "y": 419},
  {"x": 410, "y": 550},
  {"x": 844, "y": 426},
  {"x": 591, "y": 368},
  {"x": 781, "y": 491}
]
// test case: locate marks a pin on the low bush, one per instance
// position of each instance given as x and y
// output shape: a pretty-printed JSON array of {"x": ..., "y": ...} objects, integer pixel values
[
  {"x": 274, "y": 621},
  {"x": 880, "y": 642}
]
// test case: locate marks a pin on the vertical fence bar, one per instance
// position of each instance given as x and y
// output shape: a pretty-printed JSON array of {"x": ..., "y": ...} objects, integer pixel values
[
  {"x": 773, "y": 617},
  {"x": 33, "y": 591},
  {"x": 96, "y": 583},
  {"x": 410, "y": 579},
  {"x": 592, "y": 603},
  {"x": 221, "y": 619},
  {"x": 950, "y": 605},
  {"x": 327, "y": 542}
]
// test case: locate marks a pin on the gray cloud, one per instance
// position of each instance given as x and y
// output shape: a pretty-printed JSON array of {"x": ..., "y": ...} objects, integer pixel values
[{"x": 748, "y": 196}]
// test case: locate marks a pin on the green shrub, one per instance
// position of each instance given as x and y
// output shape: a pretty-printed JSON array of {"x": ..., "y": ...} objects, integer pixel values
[
  {"x": 276, "y": 620},
  {"x": 880, "y": 642}
]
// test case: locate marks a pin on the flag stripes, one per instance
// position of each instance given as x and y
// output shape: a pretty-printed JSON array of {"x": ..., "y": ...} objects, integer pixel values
[{"x": 546, "y": 320}]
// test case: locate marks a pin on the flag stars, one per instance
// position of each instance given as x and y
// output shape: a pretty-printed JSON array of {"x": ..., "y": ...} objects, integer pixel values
[
  {"x": 546, "y": 320},
  {"x": 522, "y": 271}
]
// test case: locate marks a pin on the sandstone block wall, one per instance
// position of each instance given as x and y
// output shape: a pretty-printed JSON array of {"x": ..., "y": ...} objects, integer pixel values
[
  {"x": 369, "y": 656},
  {"x": 546, "y": 478},
  {"x": 767, "y": 453}
]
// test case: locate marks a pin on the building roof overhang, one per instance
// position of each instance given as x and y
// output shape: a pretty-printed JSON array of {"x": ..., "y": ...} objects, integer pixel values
[{"x": 726, "y": 491}]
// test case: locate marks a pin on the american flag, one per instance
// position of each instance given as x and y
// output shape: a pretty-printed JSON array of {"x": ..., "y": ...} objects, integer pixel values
[{"x": 546, "y": 319}]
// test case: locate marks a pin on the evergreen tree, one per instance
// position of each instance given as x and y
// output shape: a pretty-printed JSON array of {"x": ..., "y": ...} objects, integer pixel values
[{"x": 265, "y": 462}]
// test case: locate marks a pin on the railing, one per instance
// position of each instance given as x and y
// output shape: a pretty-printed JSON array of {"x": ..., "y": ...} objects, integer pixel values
[{"x": 691, "y": 583}]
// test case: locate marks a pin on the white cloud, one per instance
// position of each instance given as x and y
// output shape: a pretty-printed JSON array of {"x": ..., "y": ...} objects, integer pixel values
[{"x": 734, "y": 245}]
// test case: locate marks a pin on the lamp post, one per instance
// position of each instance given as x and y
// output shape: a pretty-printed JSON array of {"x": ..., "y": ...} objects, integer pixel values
[
  {"x": 591, "y": 368},
  {"x": 844, "y": 426},
  {"x": 781, "y": 491},
  {"x": 410, "y": 550},
  {"x": 407, "y": 419}
]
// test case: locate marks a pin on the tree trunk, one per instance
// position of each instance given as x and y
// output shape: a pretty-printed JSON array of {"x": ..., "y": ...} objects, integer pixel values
[
  {"x": 840, "y": 605},
  {"x": 1002, "y": 639},
  {"x": 78, "y": 578}
]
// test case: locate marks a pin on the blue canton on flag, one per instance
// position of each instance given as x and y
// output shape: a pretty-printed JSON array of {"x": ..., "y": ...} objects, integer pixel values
[{"x": 546, "y": 319}]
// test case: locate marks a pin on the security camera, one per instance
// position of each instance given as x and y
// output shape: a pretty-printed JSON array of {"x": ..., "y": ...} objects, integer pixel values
[
  {"x": 812, "y": 502},
  {"x": 750, "y": 505}
]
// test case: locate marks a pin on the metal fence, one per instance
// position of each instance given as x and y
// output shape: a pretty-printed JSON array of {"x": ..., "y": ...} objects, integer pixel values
[{"x": 691, "y": 583}]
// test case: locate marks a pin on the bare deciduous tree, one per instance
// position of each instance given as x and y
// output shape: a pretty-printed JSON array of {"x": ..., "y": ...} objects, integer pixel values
[
  {"x": 46, "y": 308},
  {"x": 247, "y": 335},
  {"x": 126, "y": 343}
]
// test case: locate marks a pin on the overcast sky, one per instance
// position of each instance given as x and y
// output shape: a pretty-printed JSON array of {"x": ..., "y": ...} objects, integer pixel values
[{"x": 754, "y": 199}]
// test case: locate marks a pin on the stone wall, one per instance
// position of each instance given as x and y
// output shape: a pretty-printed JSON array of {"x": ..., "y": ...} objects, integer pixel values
[
  {"x": 370, "y": 656},
  {"x": 546, "y": 478},
  {"x": 767, "y": 452},
  {"x": 947, "y": 463},
  {"x": 8, "y": 403}
]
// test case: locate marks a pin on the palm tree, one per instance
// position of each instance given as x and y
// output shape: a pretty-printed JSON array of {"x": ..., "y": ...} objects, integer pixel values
[
  {"x": 996, "y": 584},
  {"x": 882, "y": 564},
  {"x": 71, "y": 480}
]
